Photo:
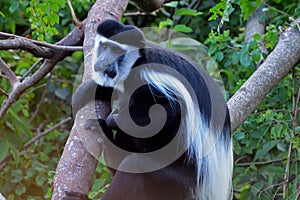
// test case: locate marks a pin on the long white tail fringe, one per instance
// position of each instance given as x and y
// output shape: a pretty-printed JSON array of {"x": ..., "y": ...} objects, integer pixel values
[{"x": 214, "y": 159}]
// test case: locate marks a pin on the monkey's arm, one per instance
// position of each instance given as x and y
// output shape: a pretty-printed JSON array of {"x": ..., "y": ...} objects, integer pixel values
[
  {"x": 83, "y": 94},
  {"x": 88, "y": 91}
]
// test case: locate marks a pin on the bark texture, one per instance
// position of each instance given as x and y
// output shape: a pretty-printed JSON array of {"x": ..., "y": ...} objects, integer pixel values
[
  {"x": 280, "y": 61},
  {"x": 149, "y": 6},
  {"x": 75, "y": 170}
]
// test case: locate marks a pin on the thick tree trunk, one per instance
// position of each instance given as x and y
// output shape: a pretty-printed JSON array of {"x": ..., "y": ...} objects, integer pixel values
[
  {"x": 75, "y": 170},
  {"x": 255, "y": 24},
  {"x": 149, "y": 6},
  {"x": 283, "y": 58}
]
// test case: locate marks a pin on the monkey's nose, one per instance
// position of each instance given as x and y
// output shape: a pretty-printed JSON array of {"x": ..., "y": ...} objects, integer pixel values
[{"x": 110, "y": 72}]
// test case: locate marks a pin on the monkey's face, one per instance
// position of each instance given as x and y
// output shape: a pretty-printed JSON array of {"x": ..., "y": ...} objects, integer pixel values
[{"x": 112, "y": 62}]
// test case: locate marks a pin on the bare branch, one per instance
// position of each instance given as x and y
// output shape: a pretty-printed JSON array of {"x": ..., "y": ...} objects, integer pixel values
[
  {"x": 133, "y": 14},
  {"x": 25, "y": 44},
  {"x": 43, "y": 44},
  {"x": 32, "y": 68},
  {"x": 240, "y": 164},
  {"x": 149, "y": 6},
  {"x": 3, "y": 92},
  {"x": 287, "y": 172},
  {"x": 73, "y": 38},
  {"x": 283, "y": 58},
  {"x": 76, "y": 21},
  {"x": 33, "y": 140},
  {"x": 46, "y": 132},
  {"x": 255, "y": 24},
  {"x": 9, "y": 73}
]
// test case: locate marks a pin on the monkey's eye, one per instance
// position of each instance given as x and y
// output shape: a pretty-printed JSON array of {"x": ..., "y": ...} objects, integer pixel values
[{"x": 117, "y": 50}]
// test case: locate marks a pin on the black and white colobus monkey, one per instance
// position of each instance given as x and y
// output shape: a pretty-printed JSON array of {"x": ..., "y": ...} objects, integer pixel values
[{"x": 196, "y": 160}]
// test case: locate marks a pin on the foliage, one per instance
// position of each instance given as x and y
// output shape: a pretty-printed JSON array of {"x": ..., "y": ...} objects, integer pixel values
[
  {"x": 29, "y": 169},
  {"x": 262, "y": 144}
]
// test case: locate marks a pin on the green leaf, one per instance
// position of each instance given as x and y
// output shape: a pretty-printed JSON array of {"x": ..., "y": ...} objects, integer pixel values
[
  {"x": 17, "y": 176},
  {"x": 41, "y": 179},
  {"x": 14, "y": 6},
  {"x": 235, "y": 57},
  {"x": 253, "y": 45},
  {"x": 182, "y": 28},
  {"x": 219, "y": 56},
  {"x": 218, "y": 9},
  {"x": 4, "y": 148},
  {"x": 248, "y": 7},
  {"x": 256, "y": 188},
  {"x": 165, "y": 23},
  {"x": 187, "y": 12},
  {"x": 297, "y": 129},
  {"x": 16, "y": 155},
  {"x": 20, "y": 189},
  {"x": 239, "y": 135},
  {"x": 172, "y": 4},
  {"x": 245, "y": 59},
  {"x": 255, "y": 55},
  {"x": 229, "y": 74},
  {"x": 256, "y": 36},
  {"x": 266, "y": 148},
  {"x": 212, "y": 49}
]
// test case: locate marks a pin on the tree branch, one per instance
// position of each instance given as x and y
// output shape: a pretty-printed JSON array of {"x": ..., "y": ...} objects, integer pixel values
[
  {"x": 255, "y": 24},
  {"x": 79, "y": 159},
  {"x": 9, "y": 73},
  {"x": 32, "y": 68},
  {"x": 20, "y": 43},
  {"x": 73, "y": 38},
  {"x": 34, "y": 139},
  {"x": 31, "y": 42},
  {"x": 76, "y": 21},
  {"x": 149, "y": 6},
  {"x": 280, "y": 61}
]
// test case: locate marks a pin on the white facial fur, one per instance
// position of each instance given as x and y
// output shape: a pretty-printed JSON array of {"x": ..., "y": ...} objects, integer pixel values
[{"x": 122, "y": 71}]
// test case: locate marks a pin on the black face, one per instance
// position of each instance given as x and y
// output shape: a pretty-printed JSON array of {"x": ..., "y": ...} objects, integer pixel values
[{"x": 108, "y": 59}]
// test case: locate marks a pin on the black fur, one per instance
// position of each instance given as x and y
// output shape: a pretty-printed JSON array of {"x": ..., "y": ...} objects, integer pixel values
[{"x": 177, "y": 180}]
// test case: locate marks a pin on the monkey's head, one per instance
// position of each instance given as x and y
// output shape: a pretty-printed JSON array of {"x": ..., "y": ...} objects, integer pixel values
[{"x": 115, "y": 52}]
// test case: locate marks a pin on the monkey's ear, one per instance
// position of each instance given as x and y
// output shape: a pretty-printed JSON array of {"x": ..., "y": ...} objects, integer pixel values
[
  {"x": 130, "y": 35},
  {"x": 109, "y": 28},
  {"x": 123, "y": 34}
]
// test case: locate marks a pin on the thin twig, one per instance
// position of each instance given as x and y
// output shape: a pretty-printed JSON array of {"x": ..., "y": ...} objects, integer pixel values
[
  {"x": 37, "y": 108},
  {"x": 44, "y": 44},
  {"x": 36, "y": 138},
  {"x": 26, "y": 45},
  {"x": 9, "y": 73},
  {"x": 258, "y": 163},
  {"x": 33, "y": 140},
  {"x": 4, "y": 92},
  {"x": 133, "y": 14},
  {"x": 76, "y": 21},
  {"x": 75, "y": 37},
  {"x": 287, "y": 173},
  {"x": 32, "y": 68}
]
